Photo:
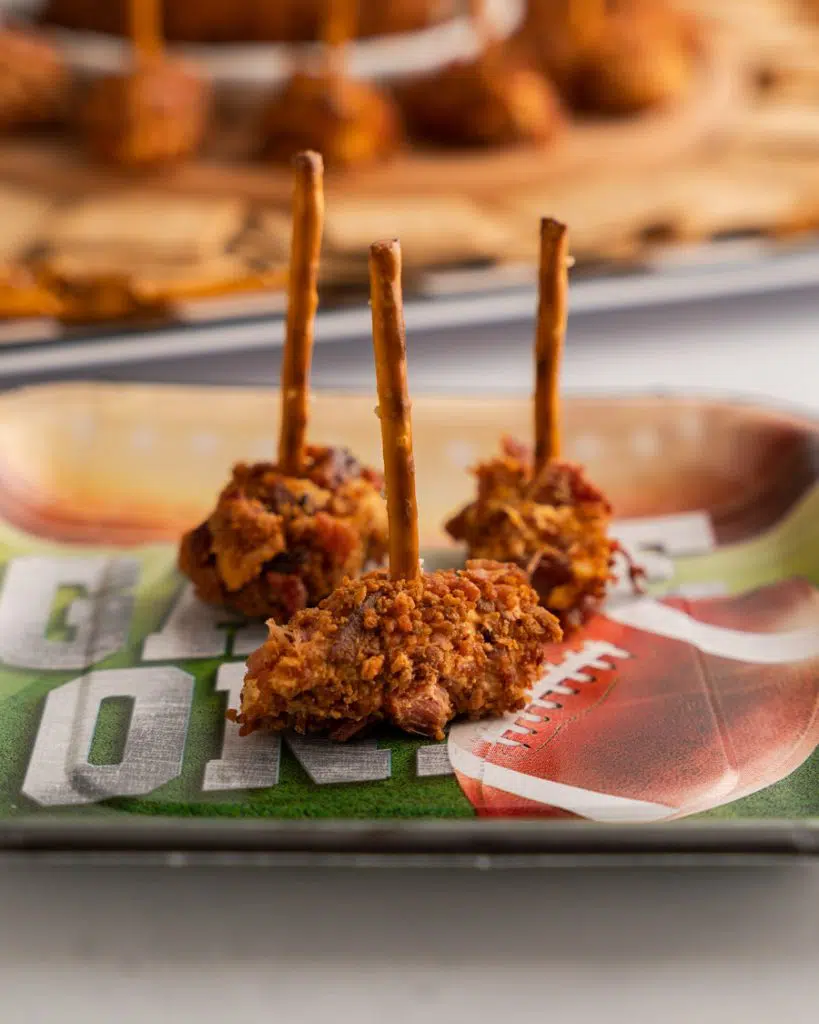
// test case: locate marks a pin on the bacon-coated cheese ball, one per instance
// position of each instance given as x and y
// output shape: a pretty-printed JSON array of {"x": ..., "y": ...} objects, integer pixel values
[
  {"x": 415, "y": 653},
  {"x": 276, "y": 544}
]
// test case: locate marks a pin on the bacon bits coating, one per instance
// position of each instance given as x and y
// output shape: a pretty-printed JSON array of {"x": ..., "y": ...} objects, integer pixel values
[
  {"x": 555, "y": 527},
  {"x": 415, "y": 653},
  {"x": 275, "y": 544}
]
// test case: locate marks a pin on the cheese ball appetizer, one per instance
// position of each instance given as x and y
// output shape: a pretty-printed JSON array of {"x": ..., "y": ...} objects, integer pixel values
[
  {"x": 555, "y": 526},
  {"x": 414, "y": 653},
  {"x": 34, "y": 81},
  {"x": 221, "y": 21},
  {"x": 284, "y": 534},
  {"x": 151, "y": 115},
  {"x": 538, "y": 511},
  {"x": 494, "y": 100},
  {"x": 408, "y": 648},
  {"x": 497, "y": 99},
  {"x": 277, "y": 543},
  {"x": 613, "y": 57},
  {"x": 351, "y": 123},
  {"x": 645, "y": 58}
]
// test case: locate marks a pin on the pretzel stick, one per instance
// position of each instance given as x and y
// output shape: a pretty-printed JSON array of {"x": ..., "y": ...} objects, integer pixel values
[
  {"x": 482, "y": 24},
  {"x": 145, "y": 27},
  {"x": 305, "y": 250},
  {"x": 551, "y": 330},
  {"x": 389, "y": 342},
  {"x": 340, "y": 22}
]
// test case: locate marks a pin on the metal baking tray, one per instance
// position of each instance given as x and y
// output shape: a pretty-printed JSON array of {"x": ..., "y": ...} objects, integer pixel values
[
  {"x": 700, "y": 744},
  {"x": 450, "y": 301}
]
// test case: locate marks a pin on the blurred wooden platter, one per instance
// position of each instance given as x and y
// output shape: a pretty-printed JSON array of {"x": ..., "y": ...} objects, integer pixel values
[
  {"x": 656, "y": 139},
  {"x": 726, "y": 162}
]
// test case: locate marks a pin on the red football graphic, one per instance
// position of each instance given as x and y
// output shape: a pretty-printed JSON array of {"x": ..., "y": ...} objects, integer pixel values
[{"x": 658, "y": 710}]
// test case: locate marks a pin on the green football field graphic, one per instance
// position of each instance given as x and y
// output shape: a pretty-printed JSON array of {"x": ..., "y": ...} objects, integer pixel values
[{"x": 790, "y": 549}]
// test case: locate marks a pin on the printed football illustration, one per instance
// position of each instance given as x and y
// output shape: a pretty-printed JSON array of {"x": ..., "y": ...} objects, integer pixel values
[
  {"x": 660, "y": 709},
  {"x": 698, "y": 699}
]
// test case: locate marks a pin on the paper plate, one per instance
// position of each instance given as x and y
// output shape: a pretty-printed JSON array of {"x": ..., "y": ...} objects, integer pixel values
[{"x": 688, "y": 722}]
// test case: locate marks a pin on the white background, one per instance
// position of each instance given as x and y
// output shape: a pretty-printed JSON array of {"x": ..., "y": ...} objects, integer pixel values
[{"x": 133, "y": 944}]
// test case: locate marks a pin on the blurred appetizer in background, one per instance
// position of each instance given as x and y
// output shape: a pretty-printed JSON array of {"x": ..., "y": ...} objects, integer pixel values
[
  {"x": 642, "y": 130},
  {"x": 283, "y": 535},
  {"x": 215, "y": 21},
  {"x": 410, "y": 648},
  {"x": 153, "y": 114},
  {"x": 539, "y": 512},
  {"x": 34, "y": 81},
  {"x": 613, "y": 57},
  {"x": 493, "y": 100},
  {"x": 349, "y": 122}
]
